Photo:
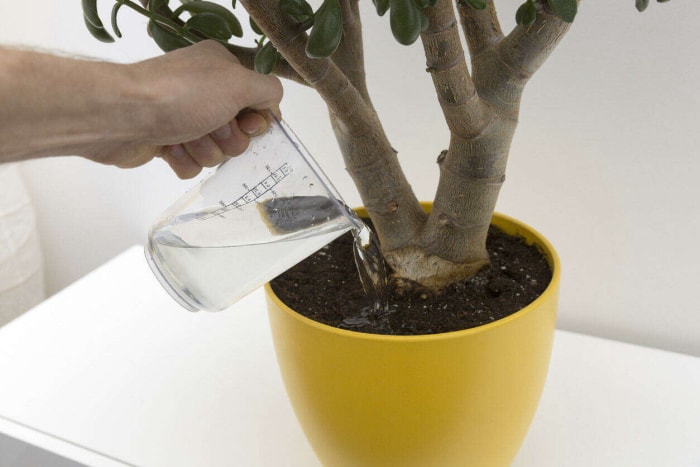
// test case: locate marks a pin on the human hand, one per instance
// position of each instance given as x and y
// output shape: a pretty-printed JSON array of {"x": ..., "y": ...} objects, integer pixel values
[{"x": 194, "y": 107}]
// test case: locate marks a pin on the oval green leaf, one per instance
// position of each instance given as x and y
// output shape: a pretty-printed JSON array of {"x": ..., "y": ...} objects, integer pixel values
[
  {"x": 641, "y": 5},
  {"x": 211, "y": 25},
  {"x": 164, "y": 38},
  {"x": 93, "y": 23},
  {"x": 564, "y": 9},
  {"x": 115, "y": 26},
  {"x": 424, "y": 22},
  {"x": 526, "y": 14},
  {"x": 300, "y": 10},
  {"x": 98, "y": 33},
  {"x": 266, "y": 59},
  {"x": 382, "y": 6},
  {"x": 405, "y": 20},
  {"x": 209, "y": 7},
  {"x": 254, "y": 26},
  {"x": 327, "y": 31},
  {"x": 90, "y": 12}
]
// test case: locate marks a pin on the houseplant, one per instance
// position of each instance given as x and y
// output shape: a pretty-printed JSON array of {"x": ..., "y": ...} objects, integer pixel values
[
  {"x": 480, "y": 106},
  {"x": 426, "y": 250}
]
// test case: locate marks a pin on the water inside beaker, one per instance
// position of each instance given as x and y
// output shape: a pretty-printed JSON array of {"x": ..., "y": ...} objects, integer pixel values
[{"x": 211, "y": 269}]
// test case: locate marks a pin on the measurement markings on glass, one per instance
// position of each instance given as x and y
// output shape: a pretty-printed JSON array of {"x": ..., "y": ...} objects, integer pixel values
[{"x": 252, "y": 194}]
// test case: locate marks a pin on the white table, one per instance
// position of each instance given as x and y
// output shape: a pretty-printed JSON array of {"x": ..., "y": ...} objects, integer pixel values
[{"x": 112, "y": 372}]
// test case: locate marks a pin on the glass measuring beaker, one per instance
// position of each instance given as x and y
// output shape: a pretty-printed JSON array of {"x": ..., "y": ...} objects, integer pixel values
[{"x": 254, "y": 217}]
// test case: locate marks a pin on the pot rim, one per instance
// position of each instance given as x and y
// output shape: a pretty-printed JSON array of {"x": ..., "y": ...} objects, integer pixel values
[{"x": 552, "y": 288}]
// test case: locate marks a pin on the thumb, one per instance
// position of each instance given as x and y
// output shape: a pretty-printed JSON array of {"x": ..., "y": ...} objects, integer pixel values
[{"x": 258, "y": 91}]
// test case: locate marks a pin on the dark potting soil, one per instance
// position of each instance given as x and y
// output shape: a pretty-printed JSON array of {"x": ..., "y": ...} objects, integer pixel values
[{"x": 325, "y": 287}]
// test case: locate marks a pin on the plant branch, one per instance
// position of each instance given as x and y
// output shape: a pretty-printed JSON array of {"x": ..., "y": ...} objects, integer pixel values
[
  {"x": 473, "y": 169},
  {"x": 481, "y": 27},
  {"x": 322, "y": 74},
  {"x": 526, "y": 48},
  {"x": 350, "y": 53},
  {"x": 464, "y": 112},
  {"x": 368, "y": 155},
  {"x": 501, "y": 70}
]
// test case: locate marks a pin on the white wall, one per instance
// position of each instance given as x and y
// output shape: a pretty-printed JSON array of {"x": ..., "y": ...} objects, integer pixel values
[{"x": 604, "y": 162}]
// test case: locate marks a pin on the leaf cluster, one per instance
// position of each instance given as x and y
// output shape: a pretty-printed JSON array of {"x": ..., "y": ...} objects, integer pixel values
[
  {"x": 208, "y": 20},
  {"x": 564, "y": 9},
  {"x": 406, "y": 17},
  {"x": 168, "y": 28}
]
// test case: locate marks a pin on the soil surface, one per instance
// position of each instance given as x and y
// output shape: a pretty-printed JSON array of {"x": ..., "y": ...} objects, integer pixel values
[{"x": 325, "y": 287}]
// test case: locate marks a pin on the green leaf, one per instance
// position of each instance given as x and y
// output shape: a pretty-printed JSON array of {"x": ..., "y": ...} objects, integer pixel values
[
  {"x": 93, "y": 23},
  {"x": 254, "y": 26},
  {"x": 211, "y": 25},
  {"x": 327, "y": 31},
  {"x": 115, "y": 26},
  {"x": 98, "y": 33},
  {"x": 300, "y": 10},
  {"x": 526, "y": 14},
  {"x": 382, "y": 6},
  {"x": 476, "y": 4},
  {"x": 564, "y": 9},
  {"x": 209, "y": 7},
  {"x": 266, "y": 59},
  {"x": 233, "y": 4},
  {"x": 642, "y": 5},
  {"x": 166, "y": 39},
  {"x": 90, "y": 12},
  {"x": 405, "y": 20}
]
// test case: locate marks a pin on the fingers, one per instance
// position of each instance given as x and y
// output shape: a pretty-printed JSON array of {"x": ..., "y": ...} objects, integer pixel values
[
  {"x": 205, "y": 152},
  {"x": 234, "y": 137},
  {"x": 188, "y": 159},
  {"x": 231, "y": 139},
  {"x": 180, "y": 161}
]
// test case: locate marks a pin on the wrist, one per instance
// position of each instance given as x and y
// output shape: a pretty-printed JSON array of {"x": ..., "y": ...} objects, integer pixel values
[{"x": 126, "y": 104}]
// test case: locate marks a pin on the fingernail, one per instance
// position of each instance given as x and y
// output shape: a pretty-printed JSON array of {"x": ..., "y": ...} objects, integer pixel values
[
  {"x": 178, "y": 152},
  {"x": 223, "y": 132},
  {"x": 254, "y": 125}
]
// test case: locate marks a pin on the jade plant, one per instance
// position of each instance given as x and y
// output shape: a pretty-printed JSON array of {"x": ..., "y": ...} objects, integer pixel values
[{"x": 321, "y": 46}]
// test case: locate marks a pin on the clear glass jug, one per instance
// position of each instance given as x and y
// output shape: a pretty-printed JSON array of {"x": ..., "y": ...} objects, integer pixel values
[{"x": 254, "y": 217}]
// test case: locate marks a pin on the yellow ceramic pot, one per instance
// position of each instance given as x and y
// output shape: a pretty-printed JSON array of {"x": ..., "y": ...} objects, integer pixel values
[{"x": 463, "y": 398}]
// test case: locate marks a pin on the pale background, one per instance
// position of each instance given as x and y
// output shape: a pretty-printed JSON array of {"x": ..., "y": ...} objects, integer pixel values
[{"x": 604, "y": 162}]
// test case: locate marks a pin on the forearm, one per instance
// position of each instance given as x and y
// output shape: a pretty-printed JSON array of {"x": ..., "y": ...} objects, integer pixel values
[
  {"x": 190, "y": 106},
  {"x": 52, "y": 105}
]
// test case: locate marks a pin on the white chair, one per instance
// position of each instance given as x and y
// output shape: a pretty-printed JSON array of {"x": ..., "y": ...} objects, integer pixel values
[{"x": 21, "y": 264}]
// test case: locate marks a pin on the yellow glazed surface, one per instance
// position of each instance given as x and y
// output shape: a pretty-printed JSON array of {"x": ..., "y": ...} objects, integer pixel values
[{"x": 463, "y": 398}]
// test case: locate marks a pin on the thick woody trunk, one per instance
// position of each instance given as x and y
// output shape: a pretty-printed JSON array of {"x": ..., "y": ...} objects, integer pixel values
[{"x": 480, "y": 109}]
